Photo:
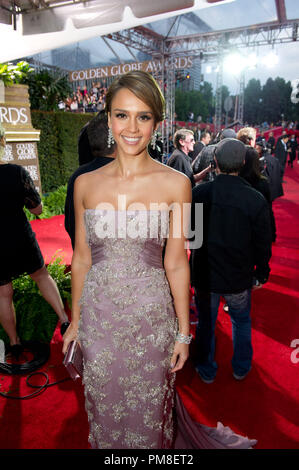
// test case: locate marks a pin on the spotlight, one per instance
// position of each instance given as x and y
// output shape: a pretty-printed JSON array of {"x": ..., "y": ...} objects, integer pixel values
[
  {"x": 208, "y": 69},
  {"x": 270, "y": 60},
  {"x": 252, "y": 61},
  {"x": 234, "y": 63}
]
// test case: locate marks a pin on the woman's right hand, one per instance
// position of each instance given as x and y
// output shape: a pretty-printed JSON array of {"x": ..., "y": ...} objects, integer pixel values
[{"x": 70, "y": 335}]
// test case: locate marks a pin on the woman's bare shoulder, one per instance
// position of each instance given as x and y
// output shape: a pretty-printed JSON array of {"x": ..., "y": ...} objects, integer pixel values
[
  {"x": 173, "y": 182},
  {"x": 172, "y": 175},
  {"x": 88, "y": 177}
]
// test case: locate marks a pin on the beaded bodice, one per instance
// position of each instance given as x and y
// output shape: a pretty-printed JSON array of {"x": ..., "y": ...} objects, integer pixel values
[{"x": 131, "y": 239}]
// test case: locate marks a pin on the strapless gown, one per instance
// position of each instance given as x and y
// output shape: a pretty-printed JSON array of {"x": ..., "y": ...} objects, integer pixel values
[{"x": 127, "y": 332}]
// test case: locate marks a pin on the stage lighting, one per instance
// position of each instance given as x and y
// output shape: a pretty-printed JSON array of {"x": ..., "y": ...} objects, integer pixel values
[
  {"x": 270, "y": 59},
  {"x": 234, "y": 63},
  {"x": 252, "y": 61},
  {"x": 208, "y": 69}
]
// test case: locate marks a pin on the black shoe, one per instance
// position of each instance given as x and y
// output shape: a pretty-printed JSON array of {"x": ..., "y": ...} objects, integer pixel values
[
  {"x": 15, "y": 350},
  {"x": 64, "y": 327}
]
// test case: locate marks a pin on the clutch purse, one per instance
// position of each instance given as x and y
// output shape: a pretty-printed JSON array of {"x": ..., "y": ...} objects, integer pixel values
[{"x": 73, "y": 360}]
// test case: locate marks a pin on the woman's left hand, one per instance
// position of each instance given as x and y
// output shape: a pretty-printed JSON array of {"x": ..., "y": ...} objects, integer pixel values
[{"x": 179, "y": 356}]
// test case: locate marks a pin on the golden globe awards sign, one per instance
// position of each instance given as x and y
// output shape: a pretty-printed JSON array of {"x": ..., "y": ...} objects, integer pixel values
[
  {"x": 150, "y": 66},
  {"x": 21, "y": 137}
]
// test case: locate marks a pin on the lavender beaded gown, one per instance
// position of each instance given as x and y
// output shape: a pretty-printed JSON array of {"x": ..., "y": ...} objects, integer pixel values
[{"x": 127, "y": 333}]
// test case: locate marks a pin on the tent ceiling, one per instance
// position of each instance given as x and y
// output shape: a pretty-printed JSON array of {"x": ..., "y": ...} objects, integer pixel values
[{"x": 87, "y": 27}]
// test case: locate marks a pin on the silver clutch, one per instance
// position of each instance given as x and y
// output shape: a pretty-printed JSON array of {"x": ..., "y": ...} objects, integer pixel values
[{"x": 73, "y": 360}]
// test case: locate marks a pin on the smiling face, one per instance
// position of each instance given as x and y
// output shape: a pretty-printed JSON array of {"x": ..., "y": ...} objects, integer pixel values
[
  {"x": 132, "y": 123},
  {"x": 187, "y": 145}
]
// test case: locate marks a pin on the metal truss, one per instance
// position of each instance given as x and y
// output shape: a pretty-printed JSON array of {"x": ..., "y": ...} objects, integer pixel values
[
  {"x": 140, "y": 38},
  {"x": 209, "y": 46},
  {"x": 218, "y": 97},
  {"x": 208, "y": 43},
  {"x": 169, "y": 92},
  {"x": 240, "y": 115}
]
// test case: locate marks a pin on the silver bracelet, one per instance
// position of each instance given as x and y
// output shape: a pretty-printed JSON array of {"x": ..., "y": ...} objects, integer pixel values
[{"x": 180, "y": 338}]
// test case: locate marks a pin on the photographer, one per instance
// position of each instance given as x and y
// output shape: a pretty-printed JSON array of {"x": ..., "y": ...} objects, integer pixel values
[
  {"x": 261, "y": 149},
  {"x": 227, "y": 133},
  {"x": 270, "y": 168},
  {"x": 203, "y": 161}
]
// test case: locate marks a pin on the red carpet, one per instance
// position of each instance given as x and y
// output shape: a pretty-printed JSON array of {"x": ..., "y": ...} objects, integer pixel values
[
  {"x": 264, "y": 406},
  {"x": 53, "y": 238}
]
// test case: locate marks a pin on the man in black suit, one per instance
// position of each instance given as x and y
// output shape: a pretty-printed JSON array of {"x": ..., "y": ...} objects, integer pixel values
[
  {"x": 183, "y": 141},
  {"x": 270, "y": 168},
  {"x": 281, "y": 152},
  {"x": 205, "y": 139},
  {"x": 271, "y": 142}
]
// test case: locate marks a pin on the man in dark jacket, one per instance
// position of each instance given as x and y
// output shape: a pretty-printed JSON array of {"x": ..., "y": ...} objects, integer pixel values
[
  {"x": 203, "y": 160},
  {"x": 234, "y": 256},
  {"x": 205, "y": 139},
  {"x": 271, "y": 142},
  {"x": 270, "y": 168},
  {"x": 281, "y": 152},
  {"x": 183, "y": 141},
  {"x": 180, "y": 160}
]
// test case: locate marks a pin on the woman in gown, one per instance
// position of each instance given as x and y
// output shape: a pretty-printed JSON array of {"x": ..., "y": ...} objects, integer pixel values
[{"x": 131, "y": 310}]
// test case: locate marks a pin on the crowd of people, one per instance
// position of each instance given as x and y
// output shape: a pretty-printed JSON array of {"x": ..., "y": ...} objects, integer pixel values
[
  {"x": 131, "y": 294},
  {"x": 231, "y": 164},
  {"x": 85, "y": 100},
  {"x": 285, "y": 147}
]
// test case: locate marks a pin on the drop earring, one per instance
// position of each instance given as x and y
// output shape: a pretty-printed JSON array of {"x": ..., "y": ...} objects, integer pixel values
[
  {"x": 110, "y": 140},
  {"x": 153, "y": 140}
]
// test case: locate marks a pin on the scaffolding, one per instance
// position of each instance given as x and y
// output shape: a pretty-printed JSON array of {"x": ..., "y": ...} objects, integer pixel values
[
  {"x": 218, "y": 97},
  {"x": 207, "y": 47}
]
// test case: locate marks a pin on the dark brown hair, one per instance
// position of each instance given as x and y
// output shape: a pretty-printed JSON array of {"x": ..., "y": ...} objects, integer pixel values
[{"x": 144, "y": 87}]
